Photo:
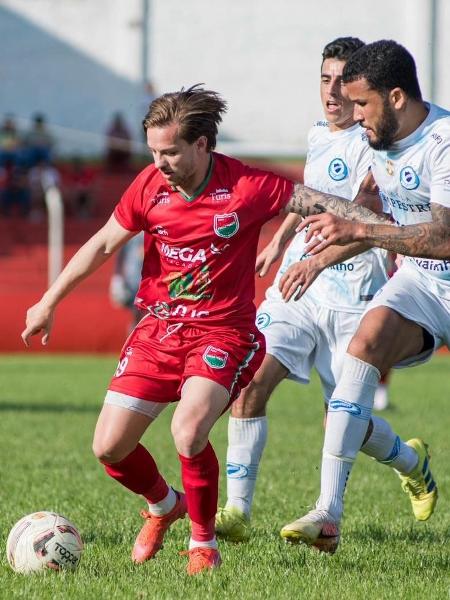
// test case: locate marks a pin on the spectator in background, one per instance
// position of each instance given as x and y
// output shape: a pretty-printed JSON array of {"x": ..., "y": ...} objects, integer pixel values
[
  {"x": 10, "y": 142},
  {"x": 38, "y": 142},
  {"x": 80, "y": 188},
  {"x": 127, "y": 277},
  {"x": 15, "y": 198},
  {"x": 118, "y": 144}
]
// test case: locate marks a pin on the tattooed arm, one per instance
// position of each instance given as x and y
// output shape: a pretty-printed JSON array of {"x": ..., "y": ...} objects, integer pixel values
[
  {"x": 306, "y": 202},
  {"x": 428, "y": 240}
]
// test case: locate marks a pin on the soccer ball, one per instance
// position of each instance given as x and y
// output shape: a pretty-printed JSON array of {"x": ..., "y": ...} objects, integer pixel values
[{"x": 43, "y": 540}]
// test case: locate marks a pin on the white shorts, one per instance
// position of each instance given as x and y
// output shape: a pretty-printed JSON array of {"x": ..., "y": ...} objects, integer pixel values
[
  {"x": 409, "y": 295},
  {"x": 302, "y": 335}
]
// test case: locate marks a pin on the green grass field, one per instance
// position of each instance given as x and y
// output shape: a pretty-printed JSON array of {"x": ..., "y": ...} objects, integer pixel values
[{"x": 48, "y": 410}]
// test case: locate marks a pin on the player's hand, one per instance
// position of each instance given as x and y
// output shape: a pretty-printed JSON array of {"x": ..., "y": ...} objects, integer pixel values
[
  {"x": 267, "y": 257},
  {"x": 39, "y": 320},
  {"x": 326, "y": 230},
  {"x": 298, "y": 278}
]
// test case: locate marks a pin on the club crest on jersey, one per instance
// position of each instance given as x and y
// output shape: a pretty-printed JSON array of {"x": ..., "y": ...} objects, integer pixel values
[
  {"x": 226, "y": 225},
  {"x": 262, "y": 320},
  {"x": 409, "y": 178},
  {"x": 215, "y": 357},
  {"x": 337, "y": 169}
]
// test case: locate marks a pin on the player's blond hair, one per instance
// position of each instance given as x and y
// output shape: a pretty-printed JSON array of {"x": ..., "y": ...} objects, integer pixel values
[{"x": 196, "y": 111}]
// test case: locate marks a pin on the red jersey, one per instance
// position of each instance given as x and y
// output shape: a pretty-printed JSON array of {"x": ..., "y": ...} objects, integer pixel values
[{"x": 200, "y": 261}]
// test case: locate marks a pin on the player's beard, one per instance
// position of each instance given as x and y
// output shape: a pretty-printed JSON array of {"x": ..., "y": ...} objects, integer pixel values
[{"x": 386, "y": 129}]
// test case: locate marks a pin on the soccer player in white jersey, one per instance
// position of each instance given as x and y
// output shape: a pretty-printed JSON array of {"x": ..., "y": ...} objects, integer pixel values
[
  {"x": 410, "y": 318},
  {"x": 316, "y": 330}
]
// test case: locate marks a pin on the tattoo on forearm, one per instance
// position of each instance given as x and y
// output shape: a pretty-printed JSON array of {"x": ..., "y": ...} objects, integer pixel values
[
  {"x": 424, "y": 239},
  {"x": 306, "y": 201}
]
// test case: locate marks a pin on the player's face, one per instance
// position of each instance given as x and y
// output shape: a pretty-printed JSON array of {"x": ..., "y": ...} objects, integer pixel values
[
  {"x": 375, "y": 113},
  {"x": 338, "y": 109},
  {"x": 178, "y": 161}
]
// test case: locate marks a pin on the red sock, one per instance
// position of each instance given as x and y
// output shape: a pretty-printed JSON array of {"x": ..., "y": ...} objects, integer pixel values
[
  {"x": 138, "y": 472},
  {"x": 200, "y": 476}
]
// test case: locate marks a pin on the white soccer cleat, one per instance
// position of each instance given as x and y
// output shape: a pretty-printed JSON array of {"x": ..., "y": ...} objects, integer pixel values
[{"x": 316, "y": 529}]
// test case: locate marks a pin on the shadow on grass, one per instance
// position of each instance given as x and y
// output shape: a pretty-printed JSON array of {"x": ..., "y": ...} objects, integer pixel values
[
  {"x": 17, "y": 406},
  {"x": 377, "y": 533}
]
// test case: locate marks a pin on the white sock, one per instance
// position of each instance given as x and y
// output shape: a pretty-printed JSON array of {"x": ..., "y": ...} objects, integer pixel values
[
  {"x": 348, "y": 417},
  {"x": 386, "y": 447},
  {"x": 208, "y": 544},
  {"x": 165, "y": 505},
  {"x": 246, "y": 441}
]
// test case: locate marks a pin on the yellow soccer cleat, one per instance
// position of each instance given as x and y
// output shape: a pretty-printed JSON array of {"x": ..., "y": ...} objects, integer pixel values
[
  {"x": 232, "y": 525},
  {"x": 315, "y": 529},
  {"x": 419, "y": 484}
]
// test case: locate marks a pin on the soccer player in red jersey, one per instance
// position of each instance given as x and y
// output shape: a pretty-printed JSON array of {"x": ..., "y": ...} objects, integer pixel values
[{"x": 197, "y": 344}]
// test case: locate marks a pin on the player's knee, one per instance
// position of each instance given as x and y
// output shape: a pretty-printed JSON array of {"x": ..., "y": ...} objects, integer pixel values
[
  {"x": 366, "y": 348},
  {"x": 189, "y": 438},
  {"x": 252, "y": 401},
  {"x": 108, "y": 453}
]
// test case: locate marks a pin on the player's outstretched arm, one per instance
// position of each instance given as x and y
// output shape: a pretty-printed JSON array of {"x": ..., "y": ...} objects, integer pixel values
[
  {"x": 306, "y": 202},
  {"x": 428, "y": 240},
  {"x": 87, "y": 260},
  {"x": 275, "y": 247}
]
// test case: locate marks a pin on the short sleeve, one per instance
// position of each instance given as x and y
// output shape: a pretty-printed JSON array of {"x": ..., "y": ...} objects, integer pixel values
[
  {"x": 268, "y": 193},
  {"x": 129, "y": 210}
]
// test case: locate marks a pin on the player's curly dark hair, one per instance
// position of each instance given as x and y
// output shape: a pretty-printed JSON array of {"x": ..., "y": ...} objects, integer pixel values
[
  {"x": 385, "y": 65},
  {"x": 197, "y": 112},
  {"x": 341, "y": 48}
]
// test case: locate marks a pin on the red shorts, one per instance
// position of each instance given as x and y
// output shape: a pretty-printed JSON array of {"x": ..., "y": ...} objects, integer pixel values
[{"x": 159, "y": 356}]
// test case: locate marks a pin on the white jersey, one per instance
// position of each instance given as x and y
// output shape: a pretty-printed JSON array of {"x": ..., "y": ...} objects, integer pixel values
[
  {"x": 411, "y": 176},
  {"x": 337, "y": 163}
]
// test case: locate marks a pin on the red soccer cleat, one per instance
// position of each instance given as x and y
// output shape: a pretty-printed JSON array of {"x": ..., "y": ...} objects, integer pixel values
[
  {"x": 151, "y": 536},
  {"x": 201, "y": 559}
]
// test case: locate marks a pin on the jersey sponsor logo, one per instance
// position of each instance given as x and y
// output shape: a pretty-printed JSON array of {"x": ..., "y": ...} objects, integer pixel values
[
  {"x": 342, "y": 267},
  {"x": 215, "y": 357},
  {"x": 226, "y": 225},
  {"x": 218, "y": 249},
  {"x": 161, "y": 198},
  {"x": 337, "y": 169},
  {"x": 190, "y": 286},
  {"x": 263, "y": 320},
  {"x": 186, "y": 255},
  {"x": 447, "y": 185},
  {"x": 432, "y": 265},
  {"x": 437, "y": 138},
  {"x": 162, "y": 310},
  {"x": 397, "y": 203},
  {"x": 160, "y": 230},
  {"x": 221, "y": 195},
  {"x": 236, "y": 471},
  {"x": 409, "y": 178}
]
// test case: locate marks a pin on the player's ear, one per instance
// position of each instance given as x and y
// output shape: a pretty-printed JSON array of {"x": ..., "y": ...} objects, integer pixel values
[
  {"x": 398, "y": 98},
  {"x": 202, "y": 143}
]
